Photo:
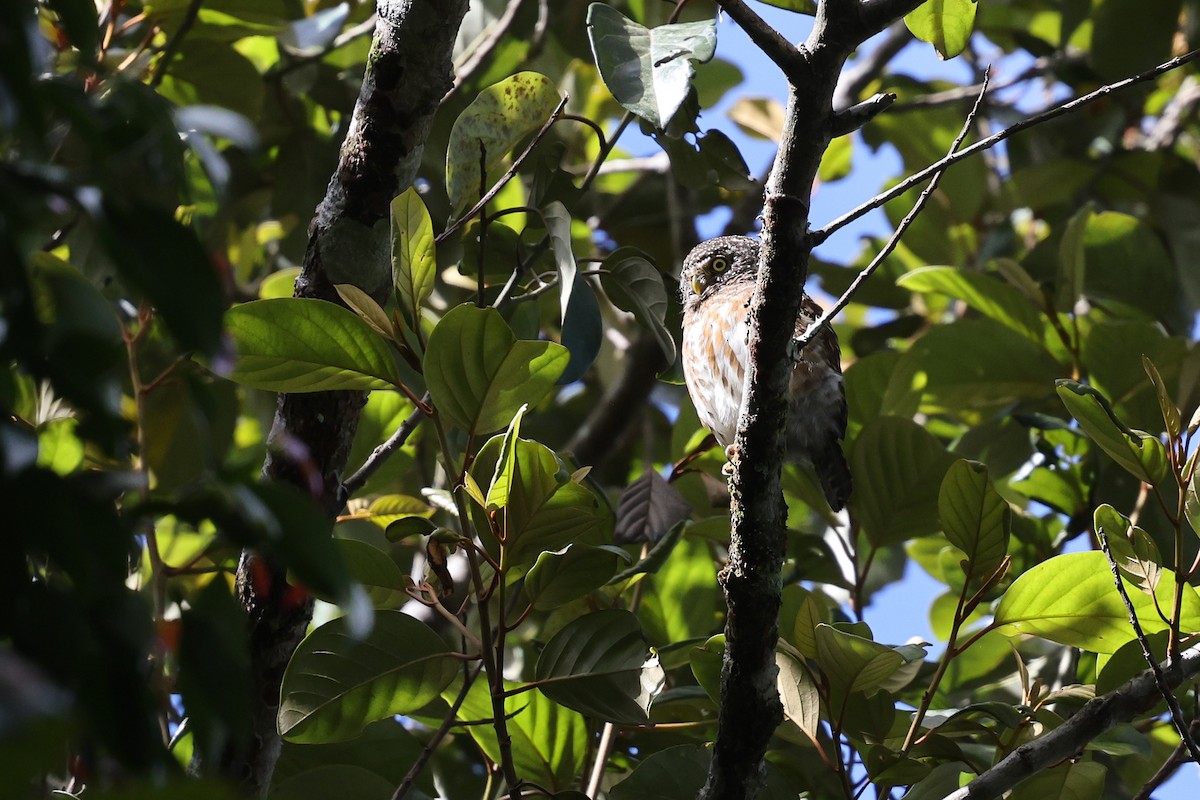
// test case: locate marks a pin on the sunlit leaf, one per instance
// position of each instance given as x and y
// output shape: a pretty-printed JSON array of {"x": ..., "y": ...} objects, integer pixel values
[
  {"x": 558, "y": 577},
  {"x": 989, "y": 296},
  {"x": 336, "y": 684},
  {"x": 600, "y": 665},
  {"x": 303, "y": 345},
  {"x": 974, "y": 517},
  {"x": 946, "y": 24},
  {"x": 1141, "y": 454},
  {"x": 414, "y": 264},
  {"x": 549, "y": 741},
  {"x": 479, "y": 374},
  {"x": 1135, "y": 553},
  {"x": 648, "y": 70},
  {"x": 1071, "y": 599},
  {"x": 490, "y": 128}
]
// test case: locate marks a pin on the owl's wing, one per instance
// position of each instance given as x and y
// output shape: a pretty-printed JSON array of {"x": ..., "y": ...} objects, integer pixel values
[{"x": 824, "y": 348}]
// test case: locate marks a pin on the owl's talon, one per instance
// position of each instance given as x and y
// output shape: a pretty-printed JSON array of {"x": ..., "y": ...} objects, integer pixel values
[{"x": 730, "y": 454}]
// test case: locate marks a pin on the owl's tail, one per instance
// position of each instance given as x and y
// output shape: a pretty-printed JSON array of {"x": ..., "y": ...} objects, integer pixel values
[{"x": 834, "y": 473}]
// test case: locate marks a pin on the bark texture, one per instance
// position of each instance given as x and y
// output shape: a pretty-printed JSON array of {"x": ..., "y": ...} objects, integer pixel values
[
  {"x": 750, "y": 705},
  {"x": 408, "y": 71}
]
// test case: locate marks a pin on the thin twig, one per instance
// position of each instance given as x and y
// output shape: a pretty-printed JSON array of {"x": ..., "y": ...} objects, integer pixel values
[
  {"x": 174, "y": 43},
  {"x": 348, "y": 36},
  {"x": 1172, "y": 763},
  {"x": 506, "y": 177},
  {"x": 1159, "y": 679},
  {"x": 483, "y": 47},
  {"x": 381, "y": 453},
  {"x": 774, "y": 45},
  {"x": 801, "y": 342},
  {"x": 469, "y": 677},
  {"x": 821, "y": 234}
]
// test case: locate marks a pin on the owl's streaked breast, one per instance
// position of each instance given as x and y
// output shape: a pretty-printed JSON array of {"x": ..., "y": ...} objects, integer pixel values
[{"x": 717, "y": 392}]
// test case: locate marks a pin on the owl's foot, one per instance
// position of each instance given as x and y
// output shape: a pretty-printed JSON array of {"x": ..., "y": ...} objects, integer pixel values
[{"x": 730, "y": 453}]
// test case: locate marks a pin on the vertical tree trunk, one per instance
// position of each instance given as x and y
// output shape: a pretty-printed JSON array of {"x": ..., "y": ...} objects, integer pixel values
[{"x": 408, "y": 71}]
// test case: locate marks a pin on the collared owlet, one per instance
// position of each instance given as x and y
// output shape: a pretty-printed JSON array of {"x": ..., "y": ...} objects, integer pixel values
[{"x": 716, "y": 281}]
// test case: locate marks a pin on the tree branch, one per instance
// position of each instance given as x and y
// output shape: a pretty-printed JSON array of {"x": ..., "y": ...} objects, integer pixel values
[
  {"x": 843, "y": 301},
  {"x": 750, "y": 707},
  {"x": 1181, "y": 726},
  {"x": 903, "y": 186},
  {"x": 774, "y": 45},
  {"x": 1135, "y": 697},
  {"x": 407, "y": 73}
]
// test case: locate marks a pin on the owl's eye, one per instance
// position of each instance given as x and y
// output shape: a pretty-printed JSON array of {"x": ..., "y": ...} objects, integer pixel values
[{"x": 719, "y": 264}]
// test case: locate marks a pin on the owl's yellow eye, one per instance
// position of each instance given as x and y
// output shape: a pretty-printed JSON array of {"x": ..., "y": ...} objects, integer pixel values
[{"x": 719, "y": 264}]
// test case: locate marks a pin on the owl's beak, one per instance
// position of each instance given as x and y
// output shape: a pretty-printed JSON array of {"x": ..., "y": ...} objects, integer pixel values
[{"x": 698, "y": 284}]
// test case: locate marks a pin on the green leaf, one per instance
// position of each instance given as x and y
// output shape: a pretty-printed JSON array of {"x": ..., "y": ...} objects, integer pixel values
[
  {"x": 414, "y": 262},
  {"x": 600, "y": 665},
  {"x": 491, "y": 127},
  {"x": 1141, "y": 454},
  {"x": 336, "y": 684},
  {"x": 543, "y": 508},
  {"x": 993, "y": 298},
  {"x": 385, "y": 749},
  {"x": 305, "y": 345},
  {"x": 479, "y": 374},
  {"x": 1072, "y": 261},
  {"x": 945, "y": 24},
  {"x": 549, "y": 741},
  {"x": 800, "y": 696},
  {"x": 633, "y": 284},
  {"x": 854, "y": 663},
  {"x": 1071, "y": 599},
  {"x": 974, "y": 517},
  {"x": 836, "y": 161},
  {"x": 506, "y": 476},
  {"x": 382, "y": 578},
  {"x": 1135, "y": 553},
  {"x": 560, "y": 576},
  {"x": 1191, "y": 506},
  {"x": 367, "y": 309},
  {"x": 690, "y": 573},
  {"x": 706, "y": 665},
  {"x": 648, "y": 71},
  {"x": 1170, "y": 412},
  {"x": 558, "y": 229},
  {"x": 898, "y": 468},
  {"x": 1084, "y": 779}
]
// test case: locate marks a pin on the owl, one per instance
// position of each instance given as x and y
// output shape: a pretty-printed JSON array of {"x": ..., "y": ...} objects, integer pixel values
[{"x": 716, "y": 282}]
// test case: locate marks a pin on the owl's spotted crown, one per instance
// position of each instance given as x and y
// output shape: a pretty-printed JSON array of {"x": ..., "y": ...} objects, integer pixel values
[{"x": 717, "y": 261}]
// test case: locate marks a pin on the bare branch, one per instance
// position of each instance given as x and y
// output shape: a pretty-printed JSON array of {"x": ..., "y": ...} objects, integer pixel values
[
  {"x": 870, "y": 66},
  {"x": 788, "y": 57},
  {"x": 750, "y": 705},
  {"x": 1177, "y": 720},
  {"x": 821, "y": 234},
  {"x": 880, "y": 257},
  {"x": 1135, "y": 697},
  {"x": 851, "y": 119}
]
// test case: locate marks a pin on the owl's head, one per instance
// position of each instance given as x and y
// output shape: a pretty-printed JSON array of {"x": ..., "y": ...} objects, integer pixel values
[{"x": 717, "y": 262}]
